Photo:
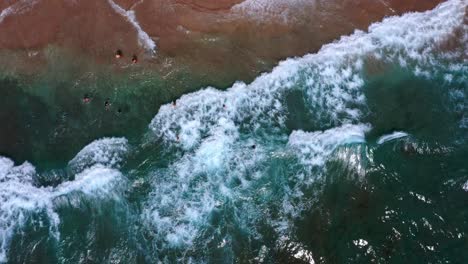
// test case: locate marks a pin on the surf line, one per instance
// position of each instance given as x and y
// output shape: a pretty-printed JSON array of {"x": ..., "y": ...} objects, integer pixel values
[
  {"x": 143, "y": 38},
  {"x": 17, "y": 8}
]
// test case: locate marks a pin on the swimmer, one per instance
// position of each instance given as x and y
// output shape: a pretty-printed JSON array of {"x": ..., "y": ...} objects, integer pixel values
[
  {"x": 408, "y": 148},
  {"x": 86, "y": 99},
  {"x": 134, "y": 59},
  {"x": 118, "y": 54},
  {"x": 253, "y": 146},
  {"x": 107, "y": 104}
]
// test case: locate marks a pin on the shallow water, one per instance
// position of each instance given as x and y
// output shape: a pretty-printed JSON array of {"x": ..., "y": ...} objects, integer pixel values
[{"x": 354, "y": 154}]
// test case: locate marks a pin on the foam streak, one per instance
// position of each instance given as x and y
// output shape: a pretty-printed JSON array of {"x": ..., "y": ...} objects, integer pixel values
[
  {"x": 17, "y": 8},
  {"x": 143, "y": 38}
]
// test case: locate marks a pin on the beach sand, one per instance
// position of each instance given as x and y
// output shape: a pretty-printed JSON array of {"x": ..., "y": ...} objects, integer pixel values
[{"x": 236, "y": 39}]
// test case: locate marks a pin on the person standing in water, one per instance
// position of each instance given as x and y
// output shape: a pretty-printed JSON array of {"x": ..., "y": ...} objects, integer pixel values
[{"x": 118, "y": 54}]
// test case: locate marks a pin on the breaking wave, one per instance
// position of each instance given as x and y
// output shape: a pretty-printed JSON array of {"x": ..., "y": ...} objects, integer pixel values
[
  {"x": 231, "y": 142},
  {"x": 23, "y": 200},
  {"x": 239, "y": 168}
]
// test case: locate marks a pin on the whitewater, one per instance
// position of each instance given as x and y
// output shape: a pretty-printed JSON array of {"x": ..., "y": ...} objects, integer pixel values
[{"x": 221, "y": 172}]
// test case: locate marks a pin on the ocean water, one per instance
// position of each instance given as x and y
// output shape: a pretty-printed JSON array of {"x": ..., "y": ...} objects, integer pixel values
[{"x": 354, "y": 154}]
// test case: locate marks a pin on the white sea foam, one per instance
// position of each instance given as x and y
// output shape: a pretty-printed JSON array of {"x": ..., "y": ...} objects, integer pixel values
[
  {"x": 360, "y": 243},
  {"x": 280, "y": 10},
  {"x": 390, "y": 137},
  {"x": 313, "y": 150},
  {"x": 218, "y": 169},
  {"x": 332, "y": 78},
  {"x": 185, "y": 194},
  {"x": 313, "y": 147},
  {"x": 95, "y": 181},
  {"x": 17, "y": 8},
  {"x": 143, "y": 38},
  {"x": 18, "y": 196},
  {"x": 21, "y": 200},
  {"x": 108, "y": 152}
]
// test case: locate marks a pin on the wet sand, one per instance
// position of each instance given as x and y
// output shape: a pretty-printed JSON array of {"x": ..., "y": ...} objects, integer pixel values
[{"x": 228, "y": 39}]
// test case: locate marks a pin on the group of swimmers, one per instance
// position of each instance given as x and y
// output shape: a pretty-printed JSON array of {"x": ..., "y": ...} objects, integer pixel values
[
  {"x": 119, "y": 55},
  {"x": 107, "y": 104}
]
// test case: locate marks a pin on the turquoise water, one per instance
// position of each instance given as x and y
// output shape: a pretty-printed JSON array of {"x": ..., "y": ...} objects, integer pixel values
[{"x": 355, "y": 154}]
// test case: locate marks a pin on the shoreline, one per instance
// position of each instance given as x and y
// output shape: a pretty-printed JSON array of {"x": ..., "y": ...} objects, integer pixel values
[{"x": 210, "y": 37}]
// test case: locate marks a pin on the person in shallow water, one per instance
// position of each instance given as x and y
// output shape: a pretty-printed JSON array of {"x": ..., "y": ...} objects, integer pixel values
[
  {"x": 134, "y": 59},
  {"x": 118, "y": 54}
]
